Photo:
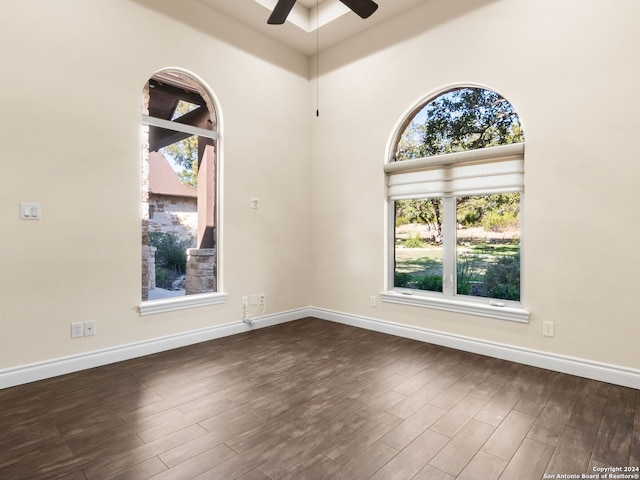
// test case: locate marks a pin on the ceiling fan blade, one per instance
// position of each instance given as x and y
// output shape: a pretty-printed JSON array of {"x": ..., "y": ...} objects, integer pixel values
[
  {"x": 364, "y": 8},
  {"x": 281, "y": 12}
]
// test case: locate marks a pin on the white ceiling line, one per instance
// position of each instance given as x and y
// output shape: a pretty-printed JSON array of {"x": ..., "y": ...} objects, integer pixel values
[{"x": 336, "y": 22}]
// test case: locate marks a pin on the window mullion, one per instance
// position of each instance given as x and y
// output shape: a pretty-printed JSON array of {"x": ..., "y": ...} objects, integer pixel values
[{"x": 449, "y": 246}]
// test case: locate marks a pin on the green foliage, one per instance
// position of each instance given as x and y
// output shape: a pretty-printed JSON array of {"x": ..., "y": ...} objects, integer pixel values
[
  {"x": 459, "y": 120},
  {"x": 466, "y": 275},
  {"x": 409, "y": 145},
  {"x": 464, "y": 119},
  {"x": 502, "y": 279},
  {"x": 496, "y": 221},
  {"x": 184, "y": 152},
  {"x": 492, "y": 212},
  {"x": 414, "y": 241},
  {"x": 171, "y": 252},
  {"x": 163, "y": 277},
  {"x": 190, "y": 176},
  {"x": 432, "y": 283},
  {"x": 402, "y": 280},
  {"x": 400, "y": 220},
  {"x": 426, "y": 211}
]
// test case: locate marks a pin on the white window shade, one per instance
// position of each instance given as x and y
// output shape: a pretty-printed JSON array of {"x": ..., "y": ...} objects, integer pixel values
[{"x": 484, "y": 171}]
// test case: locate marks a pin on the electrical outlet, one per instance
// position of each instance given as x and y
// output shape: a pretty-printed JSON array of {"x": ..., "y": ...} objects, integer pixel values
[
  {"x": 77, "y": 329},
  {"x": 372, "y": 301},
  {"x": 245, "y": 301},
  {"x": 262, "y": 299},
  {"x": 89, "y": 328},
  {"x": 548, "y": 329}
]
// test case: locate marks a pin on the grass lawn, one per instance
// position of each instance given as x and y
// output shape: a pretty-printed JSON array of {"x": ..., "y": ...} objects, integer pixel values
[{"x": 473, "y": 260}]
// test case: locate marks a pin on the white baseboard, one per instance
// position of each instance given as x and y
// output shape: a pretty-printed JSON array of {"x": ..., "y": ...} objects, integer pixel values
[
  {"x": 627, "y": 377},
  {"x": 60, "y": 366},
  {"x": 624, "y": 376}
]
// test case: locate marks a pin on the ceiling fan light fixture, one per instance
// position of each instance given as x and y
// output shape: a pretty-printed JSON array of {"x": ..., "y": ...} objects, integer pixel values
[
  {"x": 281, "y": 12},
  {"x": 363, "y": 8}
]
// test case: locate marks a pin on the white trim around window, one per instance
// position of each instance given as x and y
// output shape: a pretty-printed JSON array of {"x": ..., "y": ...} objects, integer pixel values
[
  {"x": 492, "y": 309},
  {"x": 179, "y": 127},
  {"x": 151, "y": 307},
  {"x": 497, "y": 169}
]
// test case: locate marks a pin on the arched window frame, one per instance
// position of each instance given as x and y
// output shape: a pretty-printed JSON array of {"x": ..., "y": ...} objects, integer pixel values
[
  {"x": 435, "y": 176},
  {"x": 148, "y": 307}
]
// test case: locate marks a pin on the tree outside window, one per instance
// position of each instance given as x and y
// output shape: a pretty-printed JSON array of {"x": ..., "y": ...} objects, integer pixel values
[{"x": 456, "y": 211}]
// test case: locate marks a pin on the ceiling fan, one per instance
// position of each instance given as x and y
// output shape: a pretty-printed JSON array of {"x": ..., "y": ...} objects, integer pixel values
[{"x": 364, "y": 8}]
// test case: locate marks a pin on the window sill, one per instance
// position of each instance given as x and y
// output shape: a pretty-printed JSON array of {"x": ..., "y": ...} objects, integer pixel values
[
  {"x": 513, "y": 314},
  {"x": 152, "y": 307}
]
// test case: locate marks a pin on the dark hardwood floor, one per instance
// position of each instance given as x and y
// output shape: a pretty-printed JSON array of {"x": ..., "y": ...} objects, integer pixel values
[{"x": 313, "y": 400}]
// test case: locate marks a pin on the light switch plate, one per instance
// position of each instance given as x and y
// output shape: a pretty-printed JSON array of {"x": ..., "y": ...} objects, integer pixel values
[{"x": 30, "y": 211}]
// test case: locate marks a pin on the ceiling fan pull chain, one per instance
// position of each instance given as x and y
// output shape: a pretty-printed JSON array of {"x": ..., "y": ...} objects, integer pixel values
[{"x": 317, "y": 58}]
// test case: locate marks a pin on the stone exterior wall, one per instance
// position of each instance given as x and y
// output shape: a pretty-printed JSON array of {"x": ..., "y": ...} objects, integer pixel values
[
  {"x": 144, "y": 198},
  {"x": 201, "y": 271},
  {"x": 174, "y": 215}
]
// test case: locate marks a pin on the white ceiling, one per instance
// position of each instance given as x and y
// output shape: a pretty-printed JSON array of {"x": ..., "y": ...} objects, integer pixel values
[{"x": 335, "y": 21}]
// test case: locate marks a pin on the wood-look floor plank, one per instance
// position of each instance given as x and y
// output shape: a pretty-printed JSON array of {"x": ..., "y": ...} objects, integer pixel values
[
  {"x": 109, "y": 466},
  {"x": 482, "y": 368},
  {"x": 613, "y": 442},
  {"x": 431, "y": 473},
  {"x": 366, "y": 463},
  {"x": 417, "y": 381},
  {"x": 483, "y": 466},
  {"x": 221, "y": 428},
  {"x": 535, "y": 398},
  {"x": 283, "y": 462},
  {"x": 384, "y": 402},
  {"x": 509, "y": 435},
  {"x": 455, "y": 456},
  {"x": 457, "y": 417},
  {"x": 317, "y": 468},
  {"x": 249, "y": 460},
  {"x": 312, "y": 399},
  {"x": 412, "y": 459},
  {"x": 142, "y": 471},
  {"x": 254, "y": 474},
  {"x": 407, "y": 431},
  {"x": 529, "y": 462},
  {"x": 198, "y": 464},
  {"x": 573, "y": 453},
  {"x": 497, "y": 409},
  {"x": 26, "y": 465},
  {"x": 589, "y": 408},
  {"x": 634, "y": 457},
  {"x": 495, "y": 382},
  {"x": 454, "y": 394},
  {"x": 343, "y": 448},
  {"x": 554, "y": 417},
  {"x": 415, "y": 401}
]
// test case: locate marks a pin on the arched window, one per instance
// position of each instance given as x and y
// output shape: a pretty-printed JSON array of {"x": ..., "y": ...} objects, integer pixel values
[
  {"x": 179, "y": 190},
  {"x": 455, "y": 183}
]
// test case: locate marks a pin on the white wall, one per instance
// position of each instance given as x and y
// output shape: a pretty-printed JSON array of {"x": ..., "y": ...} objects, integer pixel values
[
  {"x": 569, "y": 68},
  {"x": 73, "y": 73},
  {"x": 72, "y": 78}
]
